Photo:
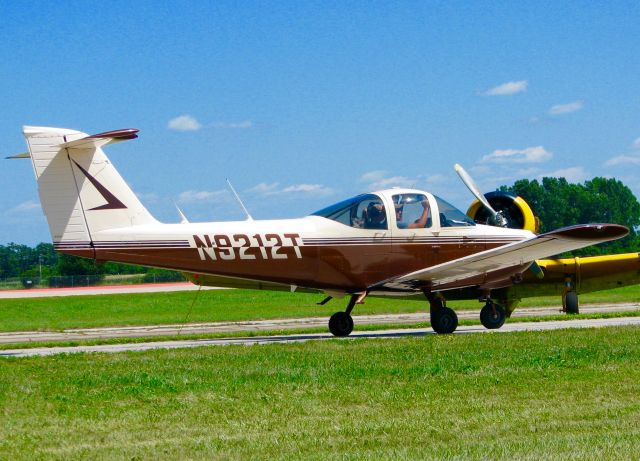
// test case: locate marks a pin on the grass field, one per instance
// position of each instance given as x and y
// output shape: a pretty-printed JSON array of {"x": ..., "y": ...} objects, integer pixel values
[
  {"x": 219, "y": 305},
  {"x": 561, "y": 395}
]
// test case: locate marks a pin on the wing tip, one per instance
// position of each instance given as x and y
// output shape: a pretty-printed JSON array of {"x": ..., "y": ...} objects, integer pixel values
[
  {"x": 603, "y": 232},
  {"x": 124, "y": 134}
]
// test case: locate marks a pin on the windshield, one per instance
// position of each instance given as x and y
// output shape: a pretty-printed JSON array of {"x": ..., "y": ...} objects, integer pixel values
[
  {"x": 450, "y": 216},
  {"x": 364, "y": 211}
]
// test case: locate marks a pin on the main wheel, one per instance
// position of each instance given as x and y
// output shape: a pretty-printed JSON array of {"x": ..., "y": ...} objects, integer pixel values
[
  {"x": 571, "y": 303},
  {"x": 444, "y": 321},
  {"x": 341, "y": 324},
  {"x": 492, "y": 316}
]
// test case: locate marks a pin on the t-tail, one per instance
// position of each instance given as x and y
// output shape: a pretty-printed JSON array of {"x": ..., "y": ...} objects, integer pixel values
[{"x": 81, "y": 192}]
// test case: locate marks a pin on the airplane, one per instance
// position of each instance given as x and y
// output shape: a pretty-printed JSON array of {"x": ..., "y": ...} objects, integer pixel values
[
  {"x": 391, "y": 242},
  {"x": 565, "y": 277}
]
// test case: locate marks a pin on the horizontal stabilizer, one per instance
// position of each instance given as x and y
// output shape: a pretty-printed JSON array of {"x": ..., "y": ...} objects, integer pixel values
[
  {"x": 102, "y": 139},
  {"x": 20, "y": 155}
]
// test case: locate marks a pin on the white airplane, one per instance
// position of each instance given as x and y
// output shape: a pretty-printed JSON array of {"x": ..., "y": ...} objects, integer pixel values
[{"x": 384, "y": 243}]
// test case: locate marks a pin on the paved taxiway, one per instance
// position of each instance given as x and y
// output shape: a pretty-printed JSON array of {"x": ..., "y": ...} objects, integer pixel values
[
  {"x": 294, "y": 338},
  {"x": 102, "y": 290},
  {"x": 274, "y": 324}
]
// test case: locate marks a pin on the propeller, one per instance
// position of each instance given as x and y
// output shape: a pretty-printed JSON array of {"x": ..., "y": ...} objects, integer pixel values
[{"x": 497, "y": 218}]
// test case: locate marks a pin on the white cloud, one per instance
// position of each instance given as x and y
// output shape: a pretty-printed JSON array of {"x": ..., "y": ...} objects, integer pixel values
[
  {"x": 191, "y": 196},
  {"x": 372, "y": 176},
  {"x": 308, "y": 189},
  {"x": 377, "y": 180},
  {"x": 264, "y": 189},
  {"x": 636, "y": 143},
  {"x": 623, "y": 160},
  {"x": 437, "y": 179},
  {"x": 184, "y": 123},
  {"x": 275, "y": 189},
  {"x": 526, "y": 172},
  {"x": 507, "y": 89},
  {"x": 535, "y": 154},
  {"x": 573, "y": 174},
  {"x": 560, "y": 109},
  {"x": 233, "y": 125},
  {"x": 148, "y": 197},
  {"x": 24, "y": 207}
]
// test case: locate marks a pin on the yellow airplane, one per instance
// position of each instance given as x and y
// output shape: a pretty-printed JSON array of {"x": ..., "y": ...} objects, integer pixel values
[{"x": 564, "y": 277}]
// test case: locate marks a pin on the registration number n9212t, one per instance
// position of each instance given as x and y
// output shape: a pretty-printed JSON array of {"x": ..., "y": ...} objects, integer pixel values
[{"x": 229, "y": 247}]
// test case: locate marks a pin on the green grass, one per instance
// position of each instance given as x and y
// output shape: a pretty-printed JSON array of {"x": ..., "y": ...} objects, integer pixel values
[
  {"x": 218, "y": 305},
  {"x": 561, "y": 394}
]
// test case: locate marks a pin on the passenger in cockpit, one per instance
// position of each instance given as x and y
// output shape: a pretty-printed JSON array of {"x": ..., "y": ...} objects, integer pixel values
[{"x": 421, "y": 222}]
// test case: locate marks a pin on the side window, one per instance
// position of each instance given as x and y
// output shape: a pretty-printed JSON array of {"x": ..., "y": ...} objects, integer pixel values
[
  {"x": 412, "y": 211},
  {"x": 363, "y": 212},
  {"x": 371, "y": 214}
]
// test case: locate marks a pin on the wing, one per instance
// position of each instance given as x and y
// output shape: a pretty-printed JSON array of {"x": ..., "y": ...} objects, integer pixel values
[{"x": 506, "y": 260}]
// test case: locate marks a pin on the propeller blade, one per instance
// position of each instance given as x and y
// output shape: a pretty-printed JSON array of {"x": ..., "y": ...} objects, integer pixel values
[{"x": 470, "y": 183}]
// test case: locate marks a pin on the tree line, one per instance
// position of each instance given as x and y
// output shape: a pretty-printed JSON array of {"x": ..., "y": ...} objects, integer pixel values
[
  {"x": 43, "y": 261},
  {"x": 556, "y": 202}
]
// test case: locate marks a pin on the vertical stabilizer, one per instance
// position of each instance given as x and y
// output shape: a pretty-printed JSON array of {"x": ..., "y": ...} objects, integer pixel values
[{"x": 80, "y": 190}]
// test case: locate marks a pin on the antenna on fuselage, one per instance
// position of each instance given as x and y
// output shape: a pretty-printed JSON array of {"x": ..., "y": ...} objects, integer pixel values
[
  {"x": 249, "y": 217},
  {"x": 183, "y": 218}
]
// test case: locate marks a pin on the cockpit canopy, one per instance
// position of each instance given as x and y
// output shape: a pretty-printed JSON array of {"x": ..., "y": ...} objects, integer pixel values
[{"x": 412, "y": 209}]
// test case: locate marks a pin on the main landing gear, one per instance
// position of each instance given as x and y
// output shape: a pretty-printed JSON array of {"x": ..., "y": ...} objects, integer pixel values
[
  {"x": 443, "y": 319},
  {"x": 341, "y": 323},
  {"x": 492, "y": 315}
]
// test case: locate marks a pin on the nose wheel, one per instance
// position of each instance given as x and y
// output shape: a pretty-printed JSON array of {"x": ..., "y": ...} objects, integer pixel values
[{"x": 341, "y": 324}]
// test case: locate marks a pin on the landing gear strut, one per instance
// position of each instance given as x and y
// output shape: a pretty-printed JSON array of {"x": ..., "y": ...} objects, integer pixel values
[
  {"x": 341, "y": 323},
  {"x": 492, "y": 315},
  {"x": 443, "y": 319}
]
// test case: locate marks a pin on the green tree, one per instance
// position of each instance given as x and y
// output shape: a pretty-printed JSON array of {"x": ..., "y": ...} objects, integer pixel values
[
  {"x": 73, "y": 265},
  {"x": 559, "y": 203}
]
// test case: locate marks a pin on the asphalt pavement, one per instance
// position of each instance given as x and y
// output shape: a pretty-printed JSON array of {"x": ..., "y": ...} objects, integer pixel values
[{"x": 296, "y": 338}]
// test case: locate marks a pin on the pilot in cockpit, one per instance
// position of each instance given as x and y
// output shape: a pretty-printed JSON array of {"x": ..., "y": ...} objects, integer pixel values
[{"x": 375, "y": 216}]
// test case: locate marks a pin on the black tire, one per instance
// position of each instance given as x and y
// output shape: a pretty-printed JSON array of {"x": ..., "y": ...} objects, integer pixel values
[
  {"x": 444, "y": 321},
  {"x": 492, "y": 316},
  {"x": 571, "y": 303},
  {"x": 341, "y": 324}
]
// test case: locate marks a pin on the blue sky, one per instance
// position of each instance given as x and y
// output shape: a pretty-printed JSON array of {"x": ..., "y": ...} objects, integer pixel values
[{"x": 301, "y": 104}]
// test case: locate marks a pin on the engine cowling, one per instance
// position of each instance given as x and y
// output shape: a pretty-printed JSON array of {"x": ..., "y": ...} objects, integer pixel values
[{"x": 514, "y": 209}]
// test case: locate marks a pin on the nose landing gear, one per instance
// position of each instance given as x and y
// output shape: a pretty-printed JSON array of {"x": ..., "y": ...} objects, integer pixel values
[{"x": 341, "y": 323}]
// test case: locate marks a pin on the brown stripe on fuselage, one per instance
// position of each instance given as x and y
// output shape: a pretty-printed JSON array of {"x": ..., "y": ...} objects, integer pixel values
[{"x": 345, "y": 267}]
